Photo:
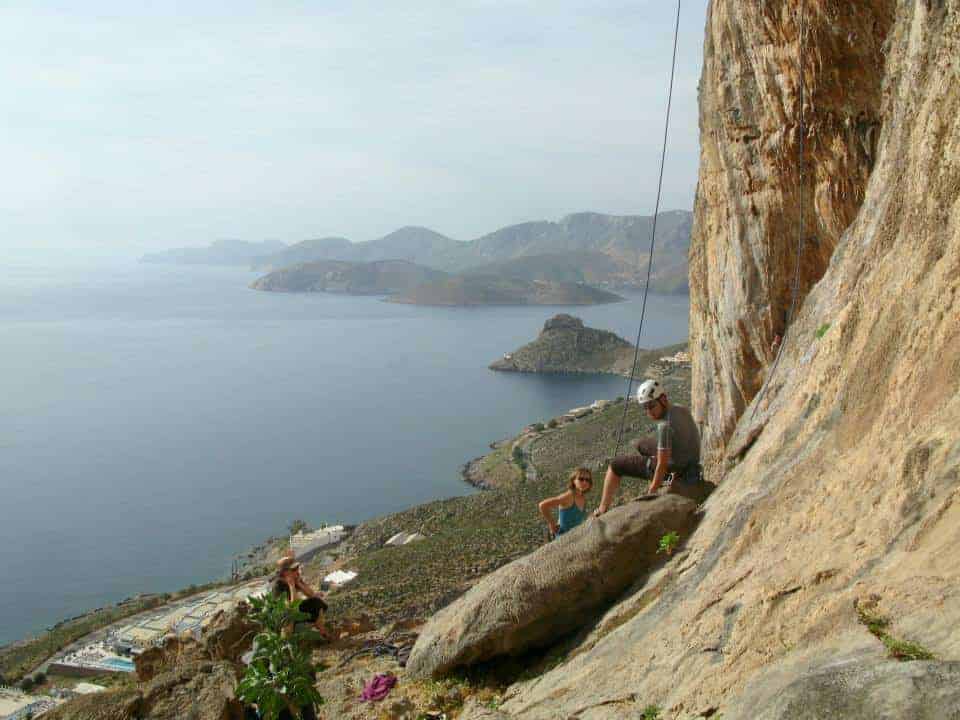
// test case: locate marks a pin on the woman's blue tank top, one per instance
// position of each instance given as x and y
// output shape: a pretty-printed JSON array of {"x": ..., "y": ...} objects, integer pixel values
[{"x": 570, "y": 517}]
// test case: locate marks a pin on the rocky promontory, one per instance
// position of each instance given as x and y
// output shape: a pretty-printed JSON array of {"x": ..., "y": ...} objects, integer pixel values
[{"x": 566, "y": 345}]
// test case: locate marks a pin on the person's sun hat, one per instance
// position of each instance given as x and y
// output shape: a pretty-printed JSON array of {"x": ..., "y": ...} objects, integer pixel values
[{"x": 287, "y": 563}]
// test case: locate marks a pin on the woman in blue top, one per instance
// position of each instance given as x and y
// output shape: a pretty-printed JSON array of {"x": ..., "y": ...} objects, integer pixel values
[{"x": 571, "y": 504}]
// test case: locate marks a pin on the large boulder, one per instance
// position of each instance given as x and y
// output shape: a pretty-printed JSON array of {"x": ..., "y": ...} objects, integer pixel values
[{"x": 539, "y": 598}]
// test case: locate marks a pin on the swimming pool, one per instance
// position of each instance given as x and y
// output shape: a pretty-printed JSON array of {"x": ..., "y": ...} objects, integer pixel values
[{"x": 118, "y": 664}]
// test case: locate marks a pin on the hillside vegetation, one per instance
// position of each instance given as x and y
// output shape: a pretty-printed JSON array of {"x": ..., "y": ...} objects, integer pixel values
[{"x": 470, "y": 536}]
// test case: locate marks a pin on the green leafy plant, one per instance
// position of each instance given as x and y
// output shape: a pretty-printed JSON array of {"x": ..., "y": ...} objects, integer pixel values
[
  {"x": 668, "y": 543},
  {"x": 281, "y": 674},
  {"x": 822, "y": 330},
  {"x": 274, "y": 613},
  {"x": 539, "y": 427},
  {"x": 651, "y": 712},
  {"x": 552, "y": 423}
]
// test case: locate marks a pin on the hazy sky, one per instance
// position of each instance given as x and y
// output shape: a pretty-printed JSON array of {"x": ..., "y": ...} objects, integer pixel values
[{"x": 129, "y": 126}]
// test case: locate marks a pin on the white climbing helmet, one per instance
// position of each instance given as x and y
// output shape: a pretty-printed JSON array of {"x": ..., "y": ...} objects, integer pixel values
[{"x": 648, "y": 391}]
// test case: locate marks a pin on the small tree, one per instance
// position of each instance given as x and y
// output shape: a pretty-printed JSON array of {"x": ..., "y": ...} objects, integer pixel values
[
  {"x": 518, "y": 457},
  {"x": 298, "y": 526},
  {"x": 281, "y": 674}
]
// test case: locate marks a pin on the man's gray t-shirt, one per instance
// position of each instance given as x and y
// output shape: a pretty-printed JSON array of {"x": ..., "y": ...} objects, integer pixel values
[{"x": 678, "y": 433}]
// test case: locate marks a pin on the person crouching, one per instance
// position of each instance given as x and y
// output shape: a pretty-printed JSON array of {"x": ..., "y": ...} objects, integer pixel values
[{"x": 288, "y": 582}]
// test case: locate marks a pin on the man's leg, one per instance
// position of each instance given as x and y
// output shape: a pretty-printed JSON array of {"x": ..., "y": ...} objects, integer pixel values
[
  {"x": 638, "y": 466},
  {"x": 611, "y": 483},
  {"x": 315, "y": 608}
]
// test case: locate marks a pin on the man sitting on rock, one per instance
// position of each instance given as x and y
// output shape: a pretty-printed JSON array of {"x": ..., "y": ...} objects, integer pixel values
[{"x": 675, "y": 450}]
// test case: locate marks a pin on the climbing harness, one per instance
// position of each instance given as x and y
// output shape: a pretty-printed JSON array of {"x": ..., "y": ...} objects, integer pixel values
[
  {"x": 653, "y": 236},
  {"x": 795, "y": 290}
]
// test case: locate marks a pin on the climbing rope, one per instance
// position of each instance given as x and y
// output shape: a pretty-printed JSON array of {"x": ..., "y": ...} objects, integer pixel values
[
  {"x": 653, "y": 236},
  {"x": 795, "y": 289}
]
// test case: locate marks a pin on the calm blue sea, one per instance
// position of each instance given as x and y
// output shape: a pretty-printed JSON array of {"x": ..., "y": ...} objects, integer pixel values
[{"x": 155, "y": 420}]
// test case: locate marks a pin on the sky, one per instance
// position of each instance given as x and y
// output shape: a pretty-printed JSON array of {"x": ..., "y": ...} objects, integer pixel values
[{"x": 129, "y": 127}]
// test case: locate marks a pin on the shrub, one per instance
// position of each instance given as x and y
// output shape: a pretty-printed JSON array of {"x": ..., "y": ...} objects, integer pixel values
[
  {"x": 553, "y": 423},
  {"x": 539, "y": 427},
  {"x": 274, "y": 613},
  {"x": 298, "y": 526},
  {"x": 668, "y": 543},
  {"x": 26, "y": 684},
  {"x": 281, "y": 675}
]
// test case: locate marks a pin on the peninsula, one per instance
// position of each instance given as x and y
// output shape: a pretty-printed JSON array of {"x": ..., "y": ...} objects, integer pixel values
[
  {"x": 491, "y": 290},
  {"x": 382, "y": 277}
]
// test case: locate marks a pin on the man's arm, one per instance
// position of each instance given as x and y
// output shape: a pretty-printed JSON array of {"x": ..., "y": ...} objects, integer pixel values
[
  {"x": 663, "y": 462},
  {"x": 306, "y": 589}
]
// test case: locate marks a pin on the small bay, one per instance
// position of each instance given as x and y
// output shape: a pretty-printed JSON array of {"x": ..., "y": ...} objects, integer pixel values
[{"x": 156, "y": 420}]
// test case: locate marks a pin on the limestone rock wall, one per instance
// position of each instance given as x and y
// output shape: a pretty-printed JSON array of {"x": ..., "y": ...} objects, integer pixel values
[
  {"x": 847, "y": 485},
  {"x": 746, "y": 226}
]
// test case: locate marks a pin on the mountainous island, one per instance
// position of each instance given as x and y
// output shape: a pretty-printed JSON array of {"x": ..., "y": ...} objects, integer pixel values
[
  {"x": 566, "y": 345},
  {"x": 381, "y": 277},
  {"x": 603, "y": 251},
  {"x": 409, "y": 283}
]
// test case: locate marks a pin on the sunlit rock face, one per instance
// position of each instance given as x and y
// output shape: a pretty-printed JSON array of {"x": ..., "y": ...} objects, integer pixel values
[
  {"x": 747, "y": 217},
  {"x": 842, "y": 490}
]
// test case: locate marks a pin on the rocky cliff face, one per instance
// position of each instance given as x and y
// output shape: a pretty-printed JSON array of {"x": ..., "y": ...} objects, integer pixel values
[
  {"x": 845, "y": 488},
  {"x": 747, "y": 217}
]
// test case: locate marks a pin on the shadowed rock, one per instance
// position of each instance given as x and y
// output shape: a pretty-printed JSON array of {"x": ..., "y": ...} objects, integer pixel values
[
  {"x": 555, "y": 590},
  {"x": 871, "y": 690}
]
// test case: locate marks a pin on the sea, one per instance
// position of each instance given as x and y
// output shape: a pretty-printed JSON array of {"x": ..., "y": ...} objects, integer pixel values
[{"x": 157, "y": 420}]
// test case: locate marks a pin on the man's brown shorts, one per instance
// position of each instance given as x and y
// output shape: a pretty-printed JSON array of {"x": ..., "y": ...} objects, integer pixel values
[{"x": 638, "y": 466}]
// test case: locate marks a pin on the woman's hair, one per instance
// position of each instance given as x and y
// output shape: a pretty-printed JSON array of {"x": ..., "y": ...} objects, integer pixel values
[{"x": 580, "y": 473}]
